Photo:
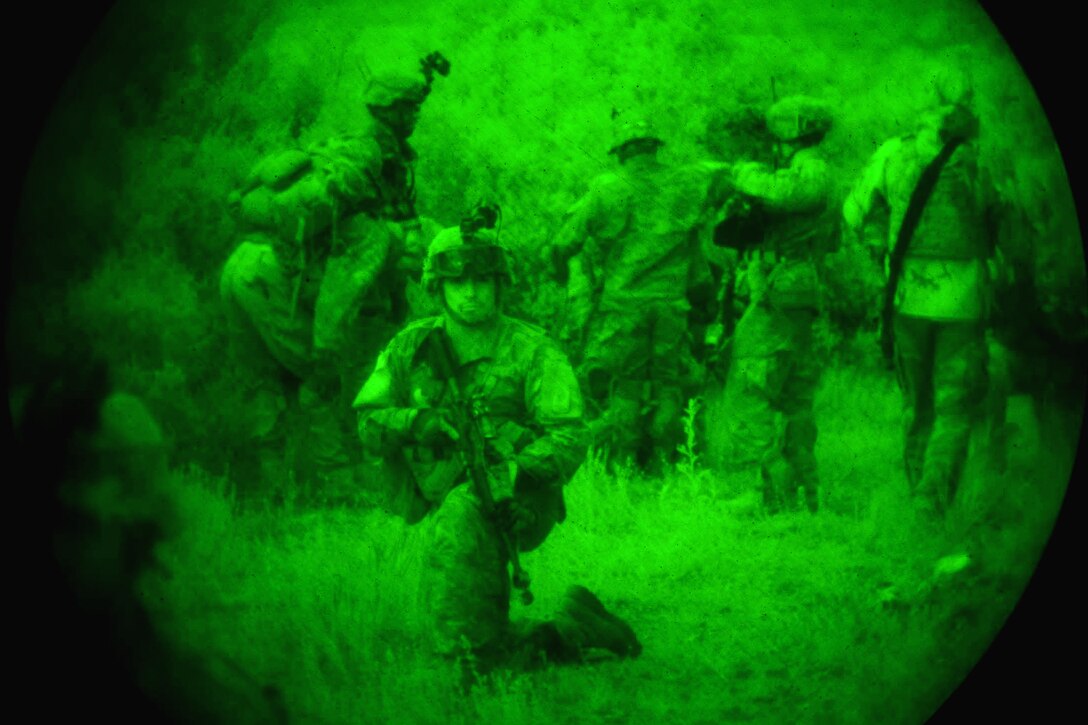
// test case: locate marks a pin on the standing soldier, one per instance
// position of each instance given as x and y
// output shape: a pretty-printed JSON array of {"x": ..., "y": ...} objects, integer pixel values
[
  {"x": 490, "y": 496},
  {"x": 317, "y": 284},
  {"x": 921, "y": 207},
  {"x": 637, "y": 231},
  {"x": 773, "y": 373}
]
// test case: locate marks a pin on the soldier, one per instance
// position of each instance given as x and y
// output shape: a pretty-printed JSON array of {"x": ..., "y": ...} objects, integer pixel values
[
  {"x": 525, "y": 399},
  {"x": 637, "y": 233},
  {"x": 773, "y": 373},
  {"x": 319, "y": 282},
  {"x": 921, "y": 207},
  {"x": 99, "y": 461}
]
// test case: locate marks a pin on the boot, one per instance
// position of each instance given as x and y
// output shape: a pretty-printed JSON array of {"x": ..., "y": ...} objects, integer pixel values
[{"x": 584, "y": 623}]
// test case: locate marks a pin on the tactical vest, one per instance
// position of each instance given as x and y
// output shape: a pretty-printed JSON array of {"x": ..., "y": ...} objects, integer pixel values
[
  {"x": 800, "y": 235},
  {"x": 796, "y": 241},
  {"x": 952, "y": 224}
]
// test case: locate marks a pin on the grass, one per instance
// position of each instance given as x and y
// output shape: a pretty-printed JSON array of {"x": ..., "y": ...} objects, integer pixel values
[{"x": 743, "y": 617}]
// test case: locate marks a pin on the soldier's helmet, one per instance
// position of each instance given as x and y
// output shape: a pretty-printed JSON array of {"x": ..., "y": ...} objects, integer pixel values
[
  {"x": 952, "y": 86},
  {"x": 396, "y": 88},
  {"x": 634, "y": 128},
  {"x": 953, "y": 95},
  {"x": 471, "y": 248},
  {"x": 399, "y": 87},
  {"x": 799, "y": 119}
]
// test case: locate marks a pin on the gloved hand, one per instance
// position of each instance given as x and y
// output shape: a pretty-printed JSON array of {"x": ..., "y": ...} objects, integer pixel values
[
  {"x": 498, "y": 450},
  {"x": 513, "y": 517},
  {"x": 432, "y": 427}
]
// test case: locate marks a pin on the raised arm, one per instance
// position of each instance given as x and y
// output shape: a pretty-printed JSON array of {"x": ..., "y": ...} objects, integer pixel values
[
  {"x": 801, "y": 186},
  {"x": 866, "y": 211},
  {"x": 596, "y": 215}
]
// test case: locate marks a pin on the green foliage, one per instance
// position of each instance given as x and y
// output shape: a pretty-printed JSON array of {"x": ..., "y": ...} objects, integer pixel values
[
  {"x": 125, "y": 226},
  {"x": 523, "y": 118},
  {"x": 853, "y": 287},
  {"x": 784, "y": 618}
]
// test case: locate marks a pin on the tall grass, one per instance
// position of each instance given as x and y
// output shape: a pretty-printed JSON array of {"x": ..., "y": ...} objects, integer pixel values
[{"x": 837, "y": 617}]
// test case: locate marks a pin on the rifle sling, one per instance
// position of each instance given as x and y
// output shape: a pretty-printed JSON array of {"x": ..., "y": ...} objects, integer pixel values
[{"x": 918, "y": 198}]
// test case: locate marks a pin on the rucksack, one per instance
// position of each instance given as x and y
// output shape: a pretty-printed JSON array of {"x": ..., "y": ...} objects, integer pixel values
[{"x": 300, "y": 194}]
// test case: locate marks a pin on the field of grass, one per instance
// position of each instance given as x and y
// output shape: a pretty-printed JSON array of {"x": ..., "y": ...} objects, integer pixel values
[
  {"x": 838, "y": 617},
  {"x": 124, "y": 227}
]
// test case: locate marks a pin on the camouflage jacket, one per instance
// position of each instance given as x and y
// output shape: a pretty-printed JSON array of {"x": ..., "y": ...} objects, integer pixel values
[
  {"x": 944, "y": 273},
  {"x": 798, "y": 226},
  {"x": 640, "y": 227},
  {"x": 329, "y": 211},
  {"x": 526, "y": 397}
]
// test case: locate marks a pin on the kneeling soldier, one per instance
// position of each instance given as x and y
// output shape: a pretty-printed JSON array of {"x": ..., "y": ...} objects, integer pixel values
[{"x": 477, "y": 420}]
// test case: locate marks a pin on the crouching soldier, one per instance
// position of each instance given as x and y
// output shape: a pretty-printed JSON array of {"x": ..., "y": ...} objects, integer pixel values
[
  {"x": 317, "y": 286},
  {"x": 477, "y": 420}
]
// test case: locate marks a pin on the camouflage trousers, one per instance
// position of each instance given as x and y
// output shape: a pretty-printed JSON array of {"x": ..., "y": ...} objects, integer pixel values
[
  {"x": 466, "y": 590},
  {"x": 768, "y": 404},
  {"x": 271, "y": 345},
  {"x": 636, "y": 364},
  {"x": 941, "y": 367}
]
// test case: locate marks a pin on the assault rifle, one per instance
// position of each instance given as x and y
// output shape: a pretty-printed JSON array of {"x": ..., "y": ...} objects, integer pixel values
[{"x": 470, "y": 444}]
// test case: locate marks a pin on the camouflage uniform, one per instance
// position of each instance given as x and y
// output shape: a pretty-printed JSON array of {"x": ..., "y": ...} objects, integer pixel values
[
  {"x": 941, "y": 301},
  {"x": 527, "y": 400},
  {"x": 637, "y": 232},
  {"x": 774, "y": 372},
  {"x": 318, "y": 283}
]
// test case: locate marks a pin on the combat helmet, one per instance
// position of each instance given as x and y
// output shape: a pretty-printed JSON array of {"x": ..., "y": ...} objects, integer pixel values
[
  {"x": 471, "y": 248},
  {"x": 395, "y": 88},
  {"x": 409, "y": 88},
  {"x": 952, "y": 86},
  {"x": 800, "y": 119},
  {"x": 954, "y": 95},
  {"x": 632, "y": 129}
]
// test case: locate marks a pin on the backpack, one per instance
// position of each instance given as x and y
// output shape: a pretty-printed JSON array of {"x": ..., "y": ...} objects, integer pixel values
[{"x": 299, "y": 194}]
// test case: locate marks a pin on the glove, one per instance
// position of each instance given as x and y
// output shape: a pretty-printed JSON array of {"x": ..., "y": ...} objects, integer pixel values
[
  {"x": 431, "y": 427},
  {"x": 513, "y": 517},
  {"x": 498, "y": 450}
]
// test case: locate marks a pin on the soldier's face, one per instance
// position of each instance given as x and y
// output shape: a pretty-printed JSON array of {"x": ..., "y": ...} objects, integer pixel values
[{"x": 471, "y": 299}]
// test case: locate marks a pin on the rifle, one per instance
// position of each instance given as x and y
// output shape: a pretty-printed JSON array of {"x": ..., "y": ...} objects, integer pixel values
[{"x": 470, "y": 444}]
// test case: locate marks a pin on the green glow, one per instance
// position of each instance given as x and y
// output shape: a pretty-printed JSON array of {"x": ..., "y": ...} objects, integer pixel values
[{"x": 856, "y": 614}]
